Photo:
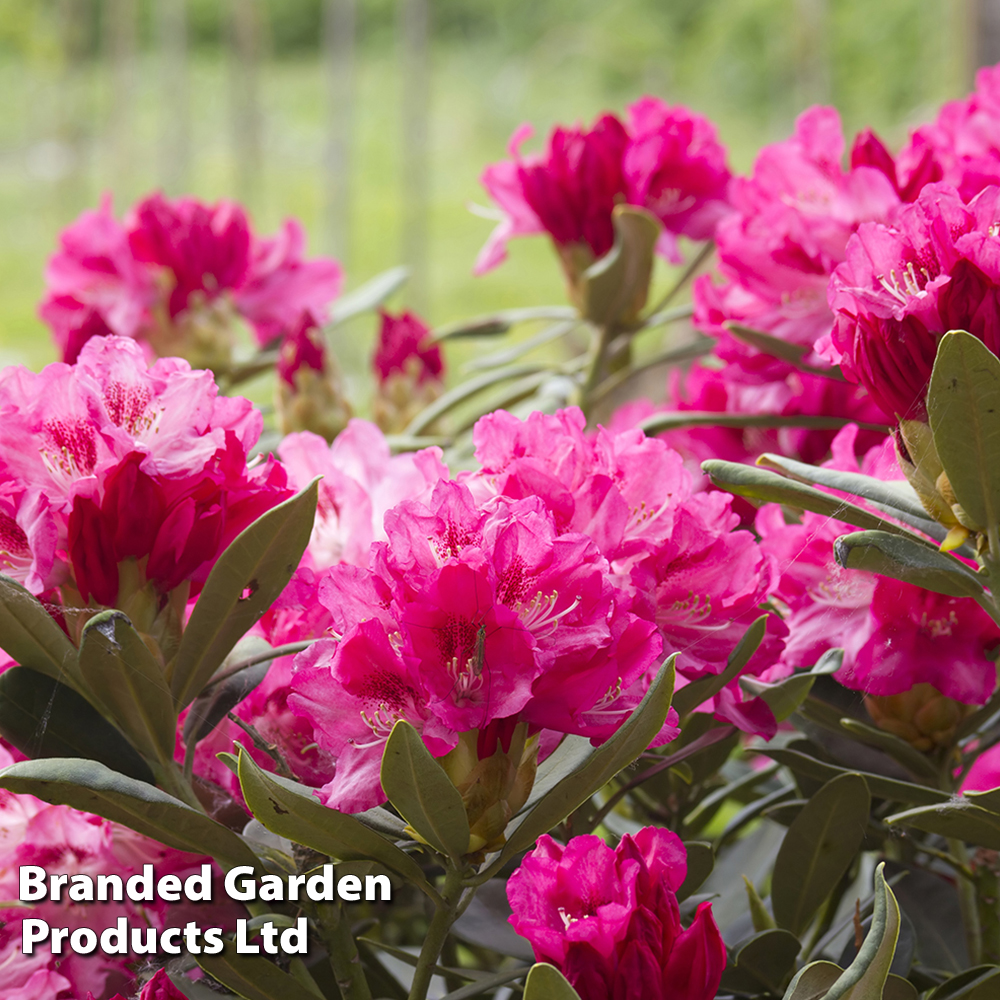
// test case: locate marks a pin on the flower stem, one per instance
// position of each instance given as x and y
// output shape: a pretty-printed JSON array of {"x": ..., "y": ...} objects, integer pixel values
[
  {"x": 437, "y": 933},
  {"x": 343, "y": 952}
]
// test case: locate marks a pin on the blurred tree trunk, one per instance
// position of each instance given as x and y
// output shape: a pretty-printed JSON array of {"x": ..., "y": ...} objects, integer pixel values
[
  {"x": 120, "y": 42},
  {"x": 246, "y": 29},
  {"x": 812, "y": 52},
  {"x": 414, "y": 20},
  {"x": 72, "y": 116},
  {"x": 339, "y": 29},
  {"x": 175, "y": 107}
]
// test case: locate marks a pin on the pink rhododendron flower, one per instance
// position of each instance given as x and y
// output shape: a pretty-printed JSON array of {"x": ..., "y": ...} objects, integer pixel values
[
  {"x": 107, "y": 460},
  {"x": 673, "y": 551},
  {"x": 903, "y": 286},
  {"x": 794, "y": 216},
  {"x": 609, "y": 919},
  {"x": 894, "y": 634},
  {"x": 70, "y": 842},
  {"x": 984, "y": 775},
  {"x": 362, "y": 479},
  {"x": 404, "y": 347},
  {"x": 176, "y": 274},
  {"x": 469, "y": 615},
  {"x": 665, "y": 159}
]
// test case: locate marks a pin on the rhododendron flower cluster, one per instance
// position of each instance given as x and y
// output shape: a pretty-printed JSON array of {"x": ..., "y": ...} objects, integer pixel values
[
  {"x": 673, "y": 552},
  {"x": 469, "y": 618},
  {"x": 664, "y": 159},
  {"x": 70, "y": 842},
  {"x": 114, "y": 474},
  {"x": 903, "y": 286},
  {"x": 176, "y": 274},
  {"x": 895, "y": 635},
  {"x": 609, "y": 919}
]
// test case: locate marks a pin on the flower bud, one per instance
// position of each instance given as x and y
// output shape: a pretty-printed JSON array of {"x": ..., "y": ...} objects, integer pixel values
[
  {"x": 922, "y": 716},
  {"x": 409, "y": 370}
]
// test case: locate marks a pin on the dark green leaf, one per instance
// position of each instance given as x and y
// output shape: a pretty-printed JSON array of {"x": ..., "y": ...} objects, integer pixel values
[
  {"x": 903, "y": 559},
  {"x": 291, "y": 810},
  {"x": 117, "y": 664},
  {"x": 692, "y": 695},
  {"x": 632, "y": 738},
  {"x": 700, "y": 862},
  {"x": 812, "y": 981},
  {"x": 818, "y": 848},
  {"x": 879, "y": 786},
  {"x": 252, "y": 977},
  {"x": 30, "y": 635},
  {"x": 712, "y": 418},
  {"x": 767, "y": 343},
  {"x": 487, "y": 983},
  {"x": 960, "y": 819},
  {"x": 370, "y": 295},
  {"x": 501, "y": 322},
  {"x": 762, "y": 920},
  {"x": 982, "y": 982},
  {"x": 783, "y": 697},
  {"x": 898, "y": 988},
  {"x": 44, "y": 718},
  {"x": 769, "y": 957},
  {"x": 988, "y": 799},
  {"x": 416, "y": 784},
  {"x": 901, "y": 751},
  {"x": 243, "y": 584},
  {"x": 92, "y": 787},
  {"x": 763, "y": 485},
  {"x": 546, "y": 982},
  {"x": 963, "y": 407}
]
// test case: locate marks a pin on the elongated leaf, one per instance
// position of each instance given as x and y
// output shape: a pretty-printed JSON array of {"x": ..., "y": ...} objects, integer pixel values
[
  {"x": 511, "y": 354},
  {"x": 500, "y": 322},
  {"x": 416, "y": 784},
  {"x": 963, "y": 406},
  {"x": 546, "y": 982},
  {"x": 865, "y": 977},
  {"x": 906, "y": 560},
  {"x": 911, "y": 758},
  {"x": 29, "y": 634},
  {"x": 671, "y": 420},
  {"x": 782, "y": 698},
  {"x": 760, "y": 484},
  {"x": 700, "y": 862},
  {"x": 243, "y": 584},
  {"x": 879, "y": 786},
  {"x": 44, "y": 718},
  {"x": 487, "y": 983},
  {"x": 812, "y": 981},
  {"x": 371, "y": 294},
  {"x": 92, "y": 787},
  {"x": 689, "y": 697},
  {"x": 117, "y": 663},
  {"x": 252, "y": 977},
  {"x": 982, "y": 982},
  {"x": 292, "y": 811},
  {"x": 769, "y": 957},
  {"x": 615, "y": 287},
  {"x": 819, "y": 847},
  {"x": 632, "y": 738},
  {"x": 961, "y": 819},
  {"x": 767, "y": 343}
]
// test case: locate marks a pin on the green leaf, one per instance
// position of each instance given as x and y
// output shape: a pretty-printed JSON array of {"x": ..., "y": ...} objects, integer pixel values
[
  {"x": 116, "y": 663},
  {"x": 782, "y": 698},
  {"x": 291, "y": 810},
  {"x": 989, "y": 799},
  {"x": 243, "y": 584},
  {"x": 30, "y": 635},
  {"x": 712, "y": 418},
  {"x": 769, "y": 957},
  {"x": 692, "y": 695},
  {"x": 615, "y": 287},
  {"x": 960, "y": 818},
  {"x": 92, "y": 787},
  {"x": 762, "y": 920},
  {"x": 632, "y": 738},
  {"x": 546, "y": 982},
  {"x": 500, "y": 322},
  {"x": 370, "y": 295},
  {"x": 896, "y": 747},
  {"x": 898, "y": 988},
  {"x": 417, "y": 785},
  {"x": 865, "y": 977},
  {"x": 252, "y": 977},
  {"x": 760, "y": 484},
  {"x": 700, "y": 862},
  {"x": 963, "y": 408},
  {"x": 906, "y": 560},
  {"x": 487, "y": 983},
  {"x": 44, "y": 718},
  {"x": 819, "y": 847},
  {"x": 978, "y": 983},
  {"x": 812, "y": 981},
  {"x": 878, "y": 785}
]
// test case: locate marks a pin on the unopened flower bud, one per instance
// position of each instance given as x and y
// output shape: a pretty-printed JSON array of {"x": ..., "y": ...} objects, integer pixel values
[
  {"x": 409, "y": 370},
  {"x": 922, "y": 716}
]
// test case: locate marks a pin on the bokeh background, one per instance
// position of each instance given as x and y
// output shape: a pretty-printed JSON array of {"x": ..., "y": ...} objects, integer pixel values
[{"x": 371, "y": 120}]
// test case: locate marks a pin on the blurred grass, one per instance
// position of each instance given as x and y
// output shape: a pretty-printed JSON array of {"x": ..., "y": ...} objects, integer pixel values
[{"x": 494, "y": 65}]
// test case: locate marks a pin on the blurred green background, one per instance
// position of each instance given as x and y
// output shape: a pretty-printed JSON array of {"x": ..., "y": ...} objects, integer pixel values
[{"x": 236, "y": 98}]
